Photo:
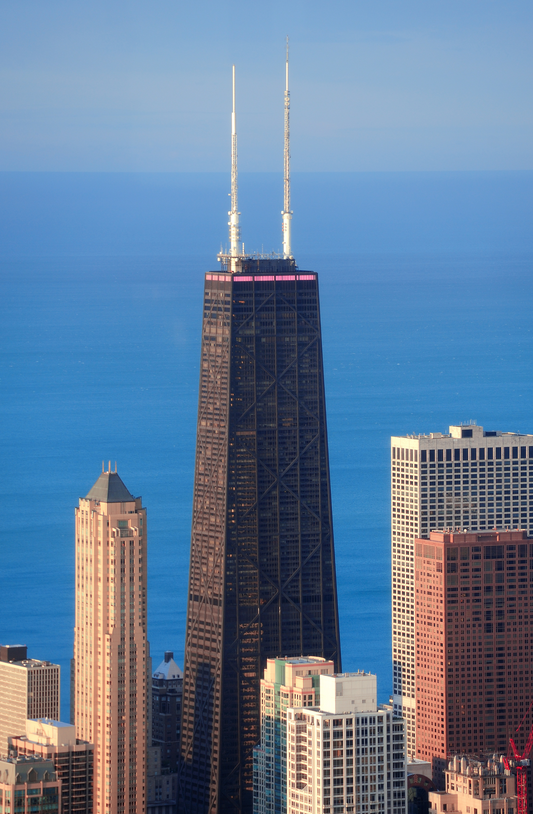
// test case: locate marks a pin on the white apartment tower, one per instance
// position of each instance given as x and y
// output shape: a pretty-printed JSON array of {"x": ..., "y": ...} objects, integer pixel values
[
  {"x": 467, "y": 479},
  {"x": 349, "y": 754},
  {"x": 29, "y": 688},
  {"x": 111, "y": 659}
]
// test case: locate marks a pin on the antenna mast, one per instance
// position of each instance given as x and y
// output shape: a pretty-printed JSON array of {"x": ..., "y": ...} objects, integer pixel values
[
  {"x": 287, "y": 214},
  {"x": 234, "y": 227}
]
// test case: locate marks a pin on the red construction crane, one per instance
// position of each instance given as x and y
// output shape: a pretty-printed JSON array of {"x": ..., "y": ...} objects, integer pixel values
[{"x": 522, "y": 763}]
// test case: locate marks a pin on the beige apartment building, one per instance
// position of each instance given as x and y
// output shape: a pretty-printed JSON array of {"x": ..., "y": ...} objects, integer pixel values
[
  {"x": 72, "y": 759},
  {"x": 111, "y": 658},
  {"x": 29, "y": 688},
  {"x": 476, "y": 787},
  {"x": 467, "y": 479}
]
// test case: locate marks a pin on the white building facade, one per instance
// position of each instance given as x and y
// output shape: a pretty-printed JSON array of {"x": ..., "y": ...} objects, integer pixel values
[{"x": 348, "y": 756}]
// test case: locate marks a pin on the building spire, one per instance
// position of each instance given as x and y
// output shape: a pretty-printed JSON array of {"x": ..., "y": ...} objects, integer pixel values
[
  {"x": 234, "y": 227},
  {"x": 287, "y": 214}
]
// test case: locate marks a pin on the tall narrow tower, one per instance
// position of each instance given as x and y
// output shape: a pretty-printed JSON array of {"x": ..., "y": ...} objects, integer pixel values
[
  {"x": 111, "y": 659},
  {"x": 262, "y": 570},
  {"x": 287, "y": 214}
]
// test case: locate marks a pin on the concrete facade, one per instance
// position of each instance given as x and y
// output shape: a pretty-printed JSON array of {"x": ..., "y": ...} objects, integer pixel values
[{"x": 29, "y": 688}]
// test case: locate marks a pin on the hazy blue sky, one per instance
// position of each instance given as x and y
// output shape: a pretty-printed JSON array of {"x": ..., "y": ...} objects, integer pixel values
[{"x": 376, "y": 85}]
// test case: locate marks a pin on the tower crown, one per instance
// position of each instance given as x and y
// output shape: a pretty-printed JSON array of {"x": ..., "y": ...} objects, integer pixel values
[{"x": 109, "y": 488}]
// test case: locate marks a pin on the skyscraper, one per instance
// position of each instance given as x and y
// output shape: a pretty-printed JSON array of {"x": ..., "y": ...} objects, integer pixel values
[
  {"x": 467, "y": 479},
  {"x": 348, "y": 754},
  {"x": 111, "y": 658},
  {"x": 286, "y": 683},
  {"x": 29, "y": 688},
  {"x": 262, "y": 570},
  {"x": 473, "y": 658}
]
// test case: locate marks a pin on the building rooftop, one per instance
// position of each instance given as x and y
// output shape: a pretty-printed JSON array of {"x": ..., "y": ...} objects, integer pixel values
[
  {"x": 458, "y": 536},
  {"x": 109, "y": 488},
  {"x": 13, "y": 652},
  {"x": 300, "y": 659},
  {"x": 20, "y": 769},
  {"x": 469, "y": 430},
  {"x": 32, "y": 663},
  {"x": 49, "y": 732},
  {"x": 168, "y": 669},
  {"x": 471, "y": 766}
]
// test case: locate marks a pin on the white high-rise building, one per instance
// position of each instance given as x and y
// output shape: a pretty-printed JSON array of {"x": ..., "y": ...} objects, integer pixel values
[
  {"x": 349, "y": 754},
  {"x": 468, "y": 479}
]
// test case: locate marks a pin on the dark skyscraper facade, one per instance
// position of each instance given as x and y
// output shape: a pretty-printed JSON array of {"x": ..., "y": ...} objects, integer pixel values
[{"x": 262, "y": 571}]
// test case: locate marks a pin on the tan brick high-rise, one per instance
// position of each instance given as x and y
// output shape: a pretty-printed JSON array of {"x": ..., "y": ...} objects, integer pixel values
[
  {"x": 29, "y": 688},
  {"x": 111, "y": 658}
]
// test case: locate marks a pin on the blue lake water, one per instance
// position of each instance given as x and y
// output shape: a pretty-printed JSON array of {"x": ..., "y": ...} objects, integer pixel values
[{"x": 427, "y": 300}]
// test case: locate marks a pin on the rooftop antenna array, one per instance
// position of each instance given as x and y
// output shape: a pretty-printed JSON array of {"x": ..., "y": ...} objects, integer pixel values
[
  {"x": 287, "y": 214},
  {"x": 234, "y": 226},
  {"x": 230, "y": 259}
]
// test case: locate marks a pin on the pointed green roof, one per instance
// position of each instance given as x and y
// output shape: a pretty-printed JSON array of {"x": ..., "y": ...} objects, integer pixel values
[{"x": 109, "y": 488}]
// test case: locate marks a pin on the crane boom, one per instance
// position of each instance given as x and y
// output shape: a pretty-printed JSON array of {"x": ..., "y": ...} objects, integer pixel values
[{"x": 522, "y": 763}]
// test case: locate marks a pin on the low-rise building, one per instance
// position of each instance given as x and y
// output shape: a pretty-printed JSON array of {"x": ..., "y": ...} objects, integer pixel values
[
  {"x": 29, "y": 784},
  {"x": 476, "y": 787},
  {"x": 72, "y": 759}
]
